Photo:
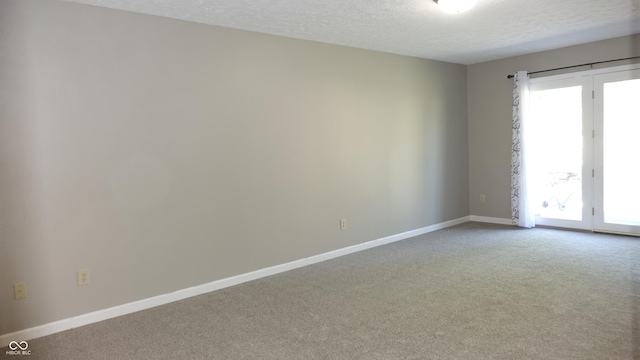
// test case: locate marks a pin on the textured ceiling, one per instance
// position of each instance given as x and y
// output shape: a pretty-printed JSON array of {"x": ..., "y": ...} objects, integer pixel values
[{"x": 493, "y": 29}]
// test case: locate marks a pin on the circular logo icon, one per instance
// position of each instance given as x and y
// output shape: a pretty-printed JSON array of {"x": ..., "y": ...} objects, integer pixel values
[{"x": 22, "y": 345}]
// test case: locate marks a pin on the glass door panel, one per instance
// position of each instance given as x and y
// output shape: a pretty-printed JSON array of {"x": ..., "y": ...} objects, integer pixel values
[
  {"x": 557, "y": 114},
  {"x": 618, "y": 152},
  {"x": 557, "y": 110}
]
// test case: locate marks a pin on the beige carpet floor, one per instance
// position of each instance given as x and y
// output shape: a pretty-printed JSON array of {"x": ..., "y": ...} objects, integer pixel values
[{"x": 473, "y": 291}]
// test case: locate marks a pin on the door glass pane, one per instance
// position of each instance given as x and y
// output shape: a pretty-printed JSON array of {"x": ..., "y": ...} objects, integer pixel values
[
  {"x": 557, "y": 120},
  {"x": 621, "y": 152}
]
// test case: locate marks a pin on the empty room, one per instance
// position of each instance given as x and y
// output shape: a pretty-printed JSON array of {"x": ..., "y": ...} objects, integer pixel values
[{"x": 406, "y": 179}]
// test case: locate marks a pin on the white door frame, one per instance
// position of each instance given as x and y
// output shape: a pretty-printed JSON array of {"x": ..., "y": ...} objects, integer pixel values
[
  {"x": 592, "y": 155},
  {"x": 598, "y": 82},
  {"x": 569, "y": 80}
]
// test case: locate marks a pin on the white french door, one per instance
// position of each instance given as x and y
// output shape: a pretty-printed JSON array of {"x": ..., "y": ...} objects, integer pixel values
[
  {"x": 586, "y": 131},
  {"x": 617, "y": 155},
  {"x": 560, "y": 110}
]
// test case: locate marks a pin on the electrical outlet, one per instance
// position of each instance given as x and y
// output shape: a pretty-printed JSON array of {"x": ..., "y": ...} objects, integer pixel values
[
  {"x": 343, "y": 224},
  {"x": 20, "y": 290},
  {"x": 482, "y": 198},
  {"x": 83, "y": 277}
]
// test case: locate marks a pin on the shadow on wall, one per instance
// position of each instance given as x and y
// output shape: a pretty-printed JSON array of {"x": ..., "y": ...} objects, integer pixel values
[
  {"x": 446, "y": 173},
  {"x": 23, "y": 221}
]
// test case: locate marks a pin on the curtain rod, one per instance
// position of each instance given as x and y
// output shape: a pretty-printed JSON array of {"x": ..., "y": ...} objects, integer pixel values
[{"x": 573, "y": 66}]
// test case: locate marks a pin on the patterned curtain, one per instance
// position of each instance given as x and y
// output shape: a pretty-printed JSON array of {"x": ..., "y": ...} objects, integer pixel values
[{"x": 522, "y": 213}]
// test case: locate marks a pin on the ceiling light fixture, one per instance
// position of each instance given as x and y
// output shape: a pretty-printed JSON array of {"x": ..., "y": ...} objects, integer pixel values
[{"x": 455, "y": 6}]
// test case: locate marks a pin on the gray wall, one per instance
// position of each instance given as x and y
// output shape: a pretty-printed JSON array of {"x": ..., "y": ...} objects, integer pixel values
[
  {"x": 162, "y": 154},
  {"x": 489, "y": 106}
]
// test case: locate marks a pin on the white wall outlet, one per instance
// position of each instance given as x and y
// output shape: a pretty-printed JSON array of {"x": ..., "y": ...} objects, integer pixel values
[
  {"x": 20, "y": 290},
  {"x": 343, "y": 224},
  {"x": 482, "y": 198},
  {"x": 83, "y": 277}
]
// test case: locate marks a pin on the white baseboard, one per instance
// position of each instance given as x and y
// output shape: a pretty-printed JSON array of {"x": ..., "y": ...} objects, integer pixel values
[
  {"x": 100, "y": 315},
  {"x": 490, "y": 220}
]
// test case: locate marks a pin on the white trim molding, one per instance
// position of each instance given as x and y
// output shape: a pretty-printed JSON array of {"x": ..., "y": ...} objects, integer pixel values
[
  {"x": 490, "y": 220},
  {"x": 124, "y": 309}
]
